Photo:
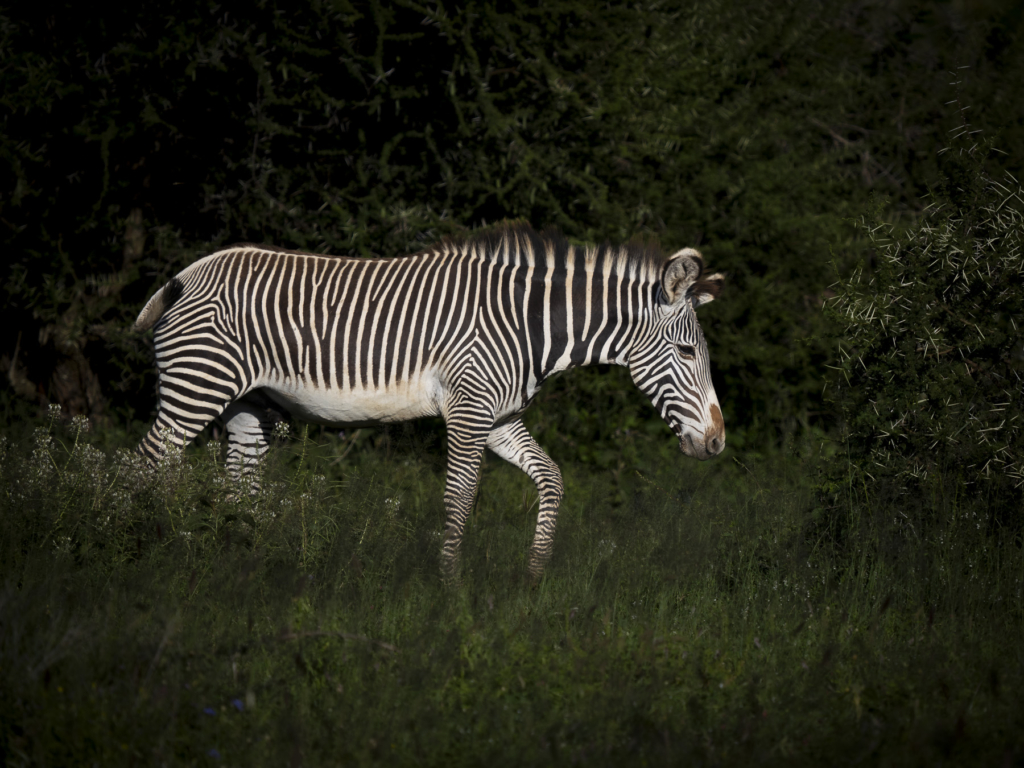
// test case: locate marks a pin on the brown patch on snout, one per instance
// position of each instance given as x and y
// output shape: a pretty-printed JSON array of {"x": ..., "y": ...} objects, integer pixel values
[
  {"x": 714, "y": 436},
  {"x": 717, "y": 422}
]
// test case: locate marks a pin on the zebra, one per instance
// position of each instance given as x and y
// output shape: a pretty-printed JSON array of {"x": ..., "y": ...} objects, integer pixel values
[{"x": 467, "y": 330}]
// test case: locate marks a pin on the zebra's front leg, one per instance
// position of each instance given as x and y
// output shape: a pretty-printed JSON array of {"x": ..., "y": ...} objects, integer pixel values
[
  {"x": 467, "y": 435},
  {"x": 249, "y": 426},
  {"x": 514, "y": 444}
]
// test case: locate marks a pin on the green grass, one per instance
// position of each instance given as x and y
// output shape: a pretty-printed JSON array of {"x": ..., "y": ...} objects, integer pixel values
[{"x": 715, "y": 615}]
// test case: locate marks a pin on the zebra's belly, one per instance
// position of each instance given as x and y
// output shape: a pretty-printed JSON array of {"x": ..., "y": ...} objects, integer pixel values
[{"x": 360, "y": 407}]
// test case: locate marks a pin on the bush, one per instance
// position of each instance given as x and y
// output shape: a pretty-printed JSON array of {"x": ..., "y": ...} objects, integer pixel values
[{"x": 928, "y": 379}]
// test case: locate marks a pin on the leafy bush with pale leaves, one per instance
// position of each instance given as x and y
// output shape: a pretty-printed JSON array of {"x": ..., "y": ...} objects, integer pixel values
[{"x": 929, "y": 376}]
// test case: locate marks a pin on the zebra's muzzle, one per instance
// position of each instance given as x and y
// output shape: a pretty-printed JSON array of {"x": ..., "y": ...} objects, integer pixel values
[
  {"x": 691, "y": 447},
  {"x": 700, "y": 449}
]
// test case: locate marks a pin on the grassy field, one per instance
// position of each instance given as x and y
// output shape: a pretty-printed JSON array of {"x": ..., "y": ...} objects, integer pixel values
[{"x": 692, "y": 614}]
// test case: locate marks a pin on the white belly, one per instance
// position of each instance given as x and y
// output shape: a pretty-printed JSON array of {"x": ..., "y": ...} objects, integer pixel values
[{"x": 404, "y": 401}]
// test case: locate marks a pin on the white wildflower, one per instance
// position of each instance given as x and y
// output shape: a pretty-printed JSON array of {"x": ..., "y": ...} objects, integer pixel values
[
  {"x": 42, "y": 464},
  {"x": 606, "y": 547},
  {"x": 92, "y": 464},
  {"x": 62, "y": 545}
]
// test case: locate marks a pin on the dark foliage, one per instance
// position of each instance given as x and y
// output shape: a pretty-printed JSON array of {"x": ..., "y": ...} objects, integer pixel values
[{"x": 134, "y": 142}]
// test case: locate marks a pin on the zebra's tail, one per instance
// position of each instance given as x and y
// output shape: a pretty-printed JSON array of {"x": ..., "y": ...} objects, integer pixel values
[{"x": 162, "y": 301}]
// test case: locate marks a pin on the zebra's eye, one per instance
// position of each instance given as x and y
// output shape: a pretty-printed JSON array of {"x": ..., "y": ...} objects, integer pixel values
[{"x": 685, "y": 351}]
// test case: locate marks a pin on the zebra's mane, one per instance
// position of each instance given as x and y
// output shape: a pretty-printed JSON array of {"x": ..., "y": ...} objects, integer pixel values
[{"x": 517, "y": 242}]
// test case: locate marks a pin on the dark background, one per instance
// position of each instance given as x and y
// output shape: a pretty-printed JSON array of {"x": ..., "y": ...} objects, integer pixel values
[{"x": 134, "y": 142}]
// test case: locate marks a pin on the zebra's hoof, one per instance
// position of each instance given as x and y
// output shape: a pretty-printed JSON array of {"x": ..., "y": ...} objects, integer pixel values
[{"x": 451, "y": 576}]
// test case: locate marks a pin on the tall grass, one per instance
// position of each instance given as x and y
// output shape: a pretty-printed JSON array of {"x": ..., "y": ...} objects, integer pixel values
[{"x": 716, "y": 615}]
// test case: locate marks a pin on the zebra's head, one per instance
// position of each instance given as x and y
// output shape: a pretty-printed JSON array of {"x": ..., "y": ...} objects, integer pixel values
[{"x": 670, "y": 362}]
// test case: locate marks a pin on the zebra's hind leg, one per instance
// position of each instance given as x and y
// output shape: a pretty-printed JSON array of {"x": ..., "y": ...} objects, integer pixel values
[
  {"x": 514, "y": 444},
  {"x": 175, "y": 427},
  {"x": 250, "y": 425}
]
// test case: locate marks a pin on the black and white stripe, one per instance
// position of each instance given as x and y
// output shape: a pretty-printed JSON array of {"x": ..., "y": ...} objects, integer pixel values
[{"x": 466, "y": 330}]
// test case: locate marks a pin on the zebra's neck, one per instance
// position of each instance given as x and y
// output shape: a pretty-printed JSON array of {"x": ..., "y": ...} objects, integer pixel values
[{"x": 594, "y": 306}]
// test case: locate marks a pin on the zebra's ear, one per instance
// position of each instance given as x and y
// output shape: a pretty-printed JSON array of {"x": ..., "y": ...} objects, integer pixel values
[
  {"x": 706, "y": 289},
  {"x": 681, "y": 271}
]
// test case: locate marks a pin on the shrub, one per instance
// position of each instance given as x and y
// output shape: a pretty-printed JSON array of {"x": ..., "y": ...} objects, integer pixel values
[{"x": 928, "y": 379}]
